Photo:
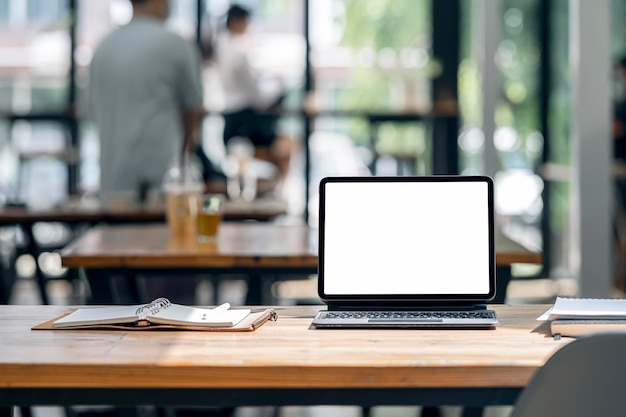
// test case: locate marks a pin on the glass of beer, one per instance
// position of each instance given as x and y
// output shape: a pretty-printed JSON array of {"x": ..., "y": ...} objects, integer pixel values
[
  {"x": 182, "y": 205},
  {"x": 183, "y": 187},
  {"x": 210, "y": 215}
]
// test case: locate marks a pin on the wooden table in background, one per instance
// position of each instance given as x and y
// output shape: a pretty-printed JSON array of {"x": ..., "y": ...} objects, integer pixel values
[
  {"x": 260, "y": 248},
  {"x": 509, "y": 252},
  {"x": 122, "y": 212},
  {"x": 281, "y": 363},
  {"x": 128, "y": 212}
]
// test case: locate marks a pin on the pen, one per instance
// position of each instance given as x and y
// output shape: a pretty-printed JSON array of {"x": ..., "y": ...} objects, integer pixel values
[{"x": 222, "y": 307}]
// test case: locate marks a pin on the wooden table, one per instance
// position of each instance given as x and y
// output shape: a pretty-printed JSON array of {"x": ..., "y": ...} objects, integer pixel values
[
  {"x": 509, "y": 252},
  {"x": 260, "y": 249},
  {"x": 282, "y": 363},
  {"x": 120, "y": 212},
  {"x": 266, "y": 248},
  {"x": 128, "y": 212}
]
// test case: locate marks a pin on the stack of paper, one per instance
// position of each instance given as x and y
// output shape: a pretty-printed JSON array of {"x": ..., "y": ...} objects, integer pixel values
[{"x": 580, "y": 316}]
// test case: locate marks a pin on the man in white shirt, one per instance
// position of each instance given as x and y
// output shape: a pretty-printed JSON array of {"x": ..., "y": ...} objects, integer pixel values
[
  {"x": 145, "y": 97},
  {"x": 247, "y": 113}
]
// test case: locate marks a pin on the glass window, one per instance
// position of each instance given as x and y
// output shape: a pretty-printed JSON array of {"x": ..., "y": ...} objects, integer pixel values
[
  {"x": 559, "y": 128},
  {"x": 42, "y": 182},
  {"x": 372, "y": 58},
  {"x": 39, "y": 162},
  {"x": 4, "y": 10},
  {"x": 44, "y": 10},
  {"x": 182, "y": 18},
  {"x": 8, "y": 166},
  {"x": 518, "y": 139},
  {"x": 372, "y": 54},
  {"x": 34, "y": 55}
]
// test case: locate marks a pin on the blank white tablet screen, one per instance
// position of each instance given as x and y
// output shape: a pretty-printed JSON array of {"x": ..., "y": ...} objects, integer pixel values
[{"x": 406, "y": 238}]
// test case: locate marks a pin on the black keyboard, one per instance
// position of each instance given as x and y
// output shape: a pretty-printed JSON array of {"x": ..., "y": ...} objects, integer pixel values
[
  {"x": 350, "y": 315},
  {"x": 410, "y": 319}
]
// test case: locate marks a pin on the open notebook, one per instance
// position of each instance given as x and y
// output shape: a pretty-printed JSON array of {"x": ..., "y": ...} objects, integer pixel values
[
  {"x": 160, "y": 314},
  {"x": 406, "y": 252}
]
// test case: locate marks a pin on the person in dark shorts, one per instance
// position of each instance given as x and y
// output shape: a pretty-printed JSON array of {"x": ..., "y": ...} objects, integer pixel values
[{"x": 247, "y": 112}]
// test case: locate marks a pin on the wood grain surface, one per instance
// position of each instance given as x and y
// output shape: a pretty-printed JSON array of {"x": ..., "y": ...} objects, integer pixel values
[
  {"x": 130, "y": 212},
  {"x": 280, "y": 354},
  {"x": 237, "y": 245}
]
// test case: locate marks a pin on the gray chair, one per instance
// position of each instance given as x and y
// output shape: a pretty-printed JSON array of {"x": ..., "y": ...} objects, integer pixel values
[{"x": 584, "y": 378}]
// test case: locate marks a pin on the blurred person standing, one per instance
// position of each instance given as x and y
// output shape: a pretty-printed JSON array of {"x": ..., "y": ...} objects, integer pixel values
[
  {"x": 247, "y": 112},
  {"x": 145, "y": 96}
]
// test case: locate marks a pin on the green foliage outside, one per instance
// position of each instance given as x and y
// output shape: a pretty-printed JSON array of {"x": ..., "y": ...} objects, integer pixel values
[{"x": 384, "y": 27}]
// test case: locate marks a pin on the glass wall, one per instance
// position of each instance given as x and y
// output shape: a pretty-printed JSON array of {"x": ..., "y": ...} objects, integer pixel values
[
  {"x": 518, "y": 137},
  {"x": 34, "y": 65},
  {"x": 372, "y": 55},
  {"x": 371, "y": 59},
  {"x": 559, "y": 152},
  {"x": 34, "y": 55}
]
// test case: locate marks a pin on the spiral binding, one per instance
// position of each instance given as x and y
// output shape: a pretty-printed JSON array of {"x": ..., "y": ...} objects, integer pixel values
[{"x": 152, "y": 308}]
